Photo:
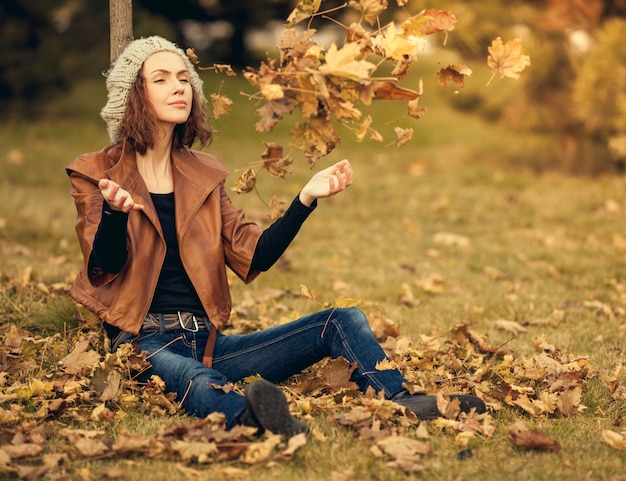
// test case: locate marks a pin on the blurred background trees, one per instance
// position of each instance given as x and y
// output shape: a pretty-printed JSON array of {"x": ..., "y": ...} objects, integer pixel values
[{"x": 575, "y": 88}]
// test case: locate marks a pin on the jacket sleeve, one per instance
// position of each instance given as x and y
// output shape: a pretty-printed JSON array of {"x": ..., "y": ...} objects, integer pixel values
[
  {"x": 89, "y": 210},
  {"x": 239, "y": 237}
]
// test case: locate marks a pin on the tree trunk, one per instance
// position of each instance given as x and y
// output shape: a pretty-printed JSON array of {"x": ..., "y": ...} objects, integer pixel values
[{"x": 121, "y": 20}]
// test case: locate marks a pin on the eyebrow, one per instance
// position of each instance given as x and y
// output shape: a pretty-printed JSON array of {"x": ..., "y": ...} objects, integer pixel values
[{"x": 163, "y": 70}]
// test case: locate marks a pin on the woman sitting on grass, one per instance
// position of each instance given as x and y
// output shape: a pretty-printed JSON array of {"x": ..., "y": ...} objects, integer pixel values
[{"x": 157, "y": 231}]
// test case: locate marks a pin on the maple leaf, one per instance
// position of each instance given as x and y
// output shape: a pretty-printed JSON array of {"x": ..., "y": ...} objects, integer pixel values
[
  {"x": 343, "y": 63},
  {"x": 453, "y": 73},
  {"x": 370, "y": 9},
  {"x": 393, "y": 43},
  {"x": 507, "y": 59},
  {"x": 274, "y": 161},
  {"x": 221, "y": 105},
  {"x": 337, "y": 374},
  {"x": 303, "y": 10}
]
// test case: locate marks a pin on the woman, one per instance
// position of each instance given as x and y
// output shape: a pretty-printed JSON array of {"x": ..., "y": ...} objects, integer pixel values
[{"x": 157, "y": 231}]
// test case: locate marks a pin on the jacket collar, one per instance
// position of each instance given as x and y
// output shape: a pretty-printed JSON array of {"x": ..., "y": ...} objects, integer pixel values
[{"x": 196, "y": 175}]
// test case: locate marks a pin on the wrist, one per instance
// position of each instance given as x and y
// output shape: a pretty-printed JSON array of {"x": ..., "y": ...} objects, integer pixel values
[{"x": 306, "y": 199}]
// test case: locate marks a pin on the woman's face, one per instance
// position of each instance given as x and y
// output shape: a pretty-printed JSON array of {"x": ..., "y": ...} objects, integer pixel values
[{"x": 167, "y": 87}]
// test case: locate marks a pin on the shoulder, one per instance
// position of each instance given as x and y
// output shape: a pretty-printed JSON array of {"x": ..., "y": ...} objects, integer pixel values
[
  {"x": 208, "y": 160},
  {"x": 94, "y": 164},
  {"x": 199, "y": 166}
]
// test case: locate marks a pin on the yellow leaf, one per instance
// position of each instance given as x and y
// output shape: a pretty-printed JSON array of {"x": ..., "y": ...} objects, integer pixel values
[
  {"x": 245, "y": 183},
  {"x": 386, "y": 365},
  {"x": 221, "y": 105},
  {"x": 507, "y": 59},
  {"x": 343, "y": 302},
  {"x": 370, "y": 9},
  {"x": 343, "y": 62},
  {"x": 304, "y": 9}
]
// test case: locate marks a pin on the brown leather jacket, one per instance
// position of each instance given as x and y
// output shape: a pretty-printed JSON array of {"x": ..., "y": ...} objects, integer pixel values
[{"x": 212, "y": 234}]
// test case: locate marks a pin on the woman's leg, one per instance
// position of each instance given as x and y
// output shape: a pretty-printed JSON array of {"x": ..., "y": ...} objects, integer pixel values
[
  {"x": 282, "y": 351},
  {"x": 174, "y": 358}
]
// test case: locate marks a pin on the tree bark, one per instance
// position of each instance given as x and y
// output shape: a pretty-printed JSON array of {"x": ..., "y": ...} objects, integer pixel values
[{"x": 121, "y": 21}]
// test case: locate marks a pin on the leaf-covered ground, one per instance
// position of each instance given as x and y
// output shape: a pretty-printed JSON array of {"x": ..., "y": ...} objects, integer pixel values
[{"x": 64, "y": 398}]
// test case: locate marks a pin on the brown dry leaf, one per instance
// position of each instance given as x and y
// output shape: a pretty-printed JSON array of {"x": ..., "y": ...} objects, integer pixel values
[
  {"x": 512, "y": 327},
  {"x": 450, "y": 408},
  {"x": 613, "y": 439},
  {"x": 199, "y": 451},
  {"x": 245, "y": 183},
  {"x": 406, "y": 453},
  {"x": 221, "y": 105},
  {"x": 261, "y": 451},
  {"x": 403, "y": 135},
  {"x": 414, "y": 110},
  {"x": 224, "y": 69},
  {"x": 80, "y": 358},
  {"x": 337, "y": 374},
  {"x": 523, "y": 437},
  {"x": 24, "y": 450},
  {"x": 274, "y": 160},
  {"x": 91, "y": 447},
  {"x": 453, "y": 73},
  {"x": 507, "y": 59},
  {"x": 390, "y": 91}
]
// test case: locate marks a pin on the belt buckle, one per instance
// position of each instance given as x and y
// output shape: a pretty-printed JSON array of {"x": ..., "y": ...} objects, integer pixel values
[{"x": 182, "y": 323}]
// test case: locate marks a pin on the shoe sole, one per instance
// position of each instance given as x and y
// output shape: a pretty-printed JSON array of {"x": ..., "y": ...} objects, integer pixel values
[{"x": 268, "y": 404}]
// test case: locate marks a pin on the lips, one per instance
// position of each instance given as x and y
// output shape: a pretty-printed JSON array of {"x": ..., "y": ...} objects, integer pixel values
[{"x": 179, "y": 103}]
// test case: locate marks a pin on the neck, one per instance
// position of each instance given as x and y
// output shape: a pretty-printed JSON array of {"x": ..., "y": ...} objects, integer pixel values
[{"x": 155, "y": 166}]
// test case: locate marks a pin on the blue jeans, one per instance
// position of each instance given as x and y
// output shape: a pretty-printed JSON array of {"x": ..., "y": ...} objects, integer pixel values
[{"x": 275, "y": 354}]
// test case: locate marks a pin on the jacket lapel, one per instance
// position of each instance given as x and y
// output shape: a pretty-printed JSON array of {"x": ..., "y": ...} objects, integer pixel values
[
  {"x": 125, "y": 173},
  {"x": 194, "y": 180}
]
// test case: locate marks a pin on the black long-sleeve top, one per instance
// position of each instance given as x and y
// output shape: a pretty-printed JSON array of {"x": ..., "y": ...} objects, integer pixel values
[{"x": 174, "y": 291}]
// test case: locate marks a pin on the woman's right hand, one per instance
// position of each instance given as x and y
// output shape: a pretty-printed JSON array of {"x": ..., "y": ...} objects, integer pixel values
[{"x": 116, "y": 197}]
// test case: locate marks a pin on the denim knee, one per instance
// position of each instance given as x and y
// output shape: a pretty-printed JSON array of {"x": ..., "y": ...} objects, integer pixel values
[{"x": 351, "y": 316}]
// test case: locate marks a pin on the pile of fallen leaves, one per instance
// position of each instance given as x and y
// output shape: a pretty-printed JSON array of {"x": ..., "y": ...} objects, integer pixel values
[{"x": 49, "y": 385}]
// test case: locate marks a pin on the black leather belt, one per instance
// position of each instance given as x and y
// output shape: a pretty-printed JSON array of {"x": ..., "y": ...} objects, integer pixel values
[{"x": 181, "y": 321}]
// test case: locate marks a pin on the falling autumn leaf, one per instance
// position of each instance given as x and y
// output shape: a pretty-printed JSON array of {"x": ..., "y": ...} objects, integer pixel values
[
  {"x": 304, "y": 9},
  {"x": 507, "y": 59},
  {"x": 221, "y": 105},
  {"x": 453, "y": 73},
  {"x": 403, "y": 135},
  {"x": 245, "y": 183}
]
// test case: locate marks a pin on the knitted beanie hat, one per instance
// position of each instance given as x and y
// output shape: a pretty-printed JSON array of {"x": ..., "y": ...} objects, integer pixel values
[{"x": 123, "y": 73}]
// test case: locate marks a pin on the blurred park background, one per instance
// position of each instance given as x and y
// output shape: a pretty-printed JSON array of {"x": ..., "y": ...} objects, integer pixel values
[{"x": 574, "y": 91}]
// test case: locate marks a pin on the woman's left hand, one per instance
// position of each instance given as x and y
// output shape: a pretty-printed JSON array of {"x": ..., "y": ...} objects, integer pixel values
[{"x": 327, "y": 182}]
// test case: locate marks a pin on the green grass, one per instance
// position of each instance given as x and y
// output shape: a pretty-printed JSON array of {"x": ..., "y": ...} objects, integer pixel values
[{"x": 557, "y": 243}]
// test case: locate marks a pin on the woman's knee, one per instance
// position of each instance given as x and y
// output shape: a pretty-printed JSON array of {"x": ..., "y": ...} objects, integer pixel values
[{"x": 352, "y": 316}]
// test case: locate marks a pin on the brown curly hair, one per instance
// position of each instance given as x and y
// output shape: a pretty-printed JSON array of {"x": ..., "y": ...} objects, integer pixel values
[{"x": 139, "y": 125}]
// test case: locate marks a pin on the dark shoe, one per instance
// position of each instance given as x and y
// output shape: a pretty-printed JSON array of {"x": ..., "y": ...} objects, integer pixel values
[
  {"x": 425, "y": 407},
  {"x": 267, "y": 409}
]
